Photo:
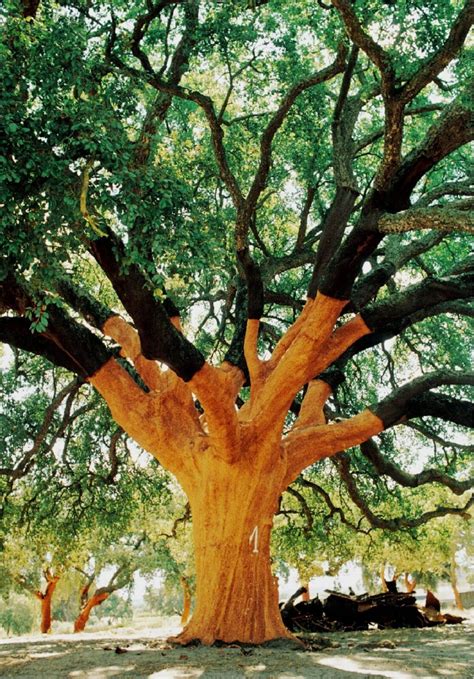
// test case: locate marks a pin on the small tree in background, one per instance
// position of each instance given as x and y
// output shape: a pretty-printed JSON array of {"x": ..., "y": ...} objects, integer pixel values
[{"x": 17, "y": 615}]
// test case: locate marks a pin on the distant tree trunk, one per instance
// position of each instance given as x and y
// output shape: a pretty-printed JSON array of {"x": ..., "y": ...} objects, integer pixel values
[
  {"x": 46, "y": 609},
  {"x": 382, "y": 578},
  {"x": 95, "y": 600},
  {"x": 454, "y": 584},
  {"x": 44, "y": 598},
  {"x": 305, "y": 596},
  {"x": 388, "y": 585},
  {"x": 409, "y": 584},
  {"x": 186, "y": 601}
]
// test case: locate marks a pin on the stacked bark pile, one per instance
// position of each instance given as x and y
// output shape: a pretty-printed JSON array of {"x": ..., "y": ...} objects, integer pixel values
[{"x": 347, "y": 612}]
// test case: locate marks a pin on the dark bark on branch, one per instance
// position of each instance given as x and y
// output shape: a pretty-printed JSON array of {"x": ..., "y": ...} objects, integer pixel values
[
  {"x": 410, "y": 400},
  {"x": 345, "y": 266},
  {"x": 253, "y": 278},
  {"x": 30, "y": 8},
  {"x": 342, "y": 464},
  {"x": 395, "y": 327},
  {"x": 443, "y": 407},
  {"x": 332, "y": 233},
  {"x": 367, "y": 287},
  {"x": 93, "y": 311},
  {"x": 159, "y": 338},
  {"x": 65, "y": 342},
  {"x": 444, "y": 55},
  {"x": 366, "y": 43},
  {"x": 235, "y": 353},
  {"x": 383, "y": 466},
  {"x": 17, "y": 333},
  {"x": 394, "y": 313},
  {"x": 464, "y": 188},
  {"x": 453, "y": 128}
]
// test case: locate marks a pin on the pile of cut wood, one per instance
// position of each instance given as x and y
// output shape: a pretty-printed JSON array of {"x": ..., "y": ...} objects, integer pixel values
[{"x": 346, "y": 612}]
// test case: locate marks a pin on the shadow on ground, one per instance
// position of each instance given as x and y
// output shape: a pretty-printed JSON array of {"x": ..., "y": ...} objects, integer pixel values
[{"x": 446, "y": 652}]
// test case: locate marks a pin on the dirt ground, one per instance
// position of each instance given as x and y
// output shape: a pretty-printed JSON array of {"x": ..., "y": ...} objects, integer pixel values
[{"x": 446, "y": 652}]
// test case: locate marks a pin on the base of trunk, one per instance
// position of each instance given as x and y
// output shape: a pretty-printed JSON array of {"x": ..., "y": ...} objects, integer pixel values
[
  {"x": 263, "y": 628},
  {"x": 189, "y": 638}
]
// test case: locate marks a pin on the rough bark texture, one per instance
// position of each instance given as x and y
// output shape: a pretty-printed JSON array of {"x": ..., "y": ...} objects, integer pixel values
[
  {"x": 232, "y": 520},
  {"x": 186, "y": 601}
]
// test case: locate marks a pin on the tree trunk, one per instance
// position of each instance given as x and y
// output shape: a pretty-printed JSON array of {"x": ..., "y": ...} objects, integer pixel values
[
  {"x": 410, "y": 585},
  {"x": 236, "y": 592},
  {"x": 186, "y": 601},
  {"x": 45, "y": 600},
  {"x": 454, "y": 585},
  {"x": 46, "y": 613},
  {"x": 382, "y": 578},
  {"x": 95, "y": 600},
  {"x": 305, "y": 596}
]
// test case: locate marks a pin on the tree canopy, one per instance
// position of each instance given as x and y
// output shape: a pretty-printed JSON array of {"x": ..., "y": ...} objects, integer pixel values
[{"x": 215, "y": 213}]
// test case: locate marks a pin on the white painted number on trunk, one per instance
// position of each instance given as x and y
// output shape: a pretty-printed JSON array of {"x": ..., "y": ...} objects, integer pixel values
[{"x": 254, "y": 537}]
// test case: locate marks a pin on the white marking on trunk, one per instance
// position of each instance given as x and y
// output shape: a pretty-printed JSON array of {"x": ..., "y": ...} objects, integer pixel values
[{"x": 254, "y": 537}]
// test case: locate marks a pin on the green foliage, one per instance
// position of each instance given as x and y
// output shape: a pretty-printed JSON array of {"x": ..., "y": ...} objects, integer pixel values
[
  {"x": 164, "y": 600},
  {"x": 17, "y": 615},
  {"x": 116, "y": 609},
  {"x": 66, "y": 109}
]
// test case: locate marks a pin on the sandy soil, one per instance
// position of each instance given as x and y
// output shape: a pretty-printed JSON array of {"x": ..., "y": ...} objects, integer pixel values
[{"x": 446, "y": 652}]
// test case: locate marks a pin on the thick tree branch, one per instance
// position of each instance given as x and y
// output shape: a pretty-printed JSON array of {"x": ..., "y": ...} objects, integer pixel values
[
  {"x": 444, "y": 55},
  {"x": 307, "y": 349},
  {"x": 454, "y": 188},
  {"x": 65, "y": 342},
  {"x": 266, "y": 140},
  {"x": 411, "y": 399},
  {"x": 453, "y": 128},
  {"x": 343, "y": 466},
  {"x": 150, "y": 419},
  {"x": 384, "y": 466},
  {"x": 396, "y": 257},
  {"x": 417, "y": 301},
  {"x": 365, "y": 42},
  {"x": 445, "y": 218},
  {"x": 310, "y": 444},
  {"x": 159, "y": 339}
]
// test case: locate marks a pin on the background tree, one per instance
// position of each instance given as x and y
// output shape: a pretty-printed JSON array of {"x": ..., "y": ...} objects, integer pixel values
[
  {"x": 32, "y": 566},
  {"x": 115, "y": 609},
  {"x": 224, "y": 158},
  {"x": 52, "y": 517},
  {"x": 16, "y": 614}
]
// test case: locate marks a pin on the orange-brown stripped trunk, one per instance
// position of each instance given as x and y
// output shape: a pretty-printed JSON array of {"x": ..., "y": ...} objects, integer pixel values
[
  {"x": 234, "y": 464},
  {"x": 96, "y": 599},
  {"x": 454, "y": 585},
  {"x": 45, "y": 600},
  {"x": 186, "y": 601},
  {"x": 236, "y": 592}
]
